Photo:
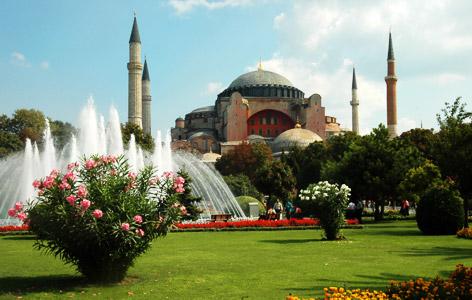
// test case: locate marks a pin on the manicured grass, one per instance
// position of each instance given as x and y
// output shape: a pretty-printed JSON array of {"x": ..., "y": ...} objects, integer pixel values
[{"x": 243, "y": 265}]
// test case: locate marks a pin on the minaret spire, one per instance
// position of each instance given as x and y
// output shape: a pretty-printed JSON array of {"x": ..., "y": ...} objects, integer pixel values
[
  {"x": 135, "y": 69},
  {"x": 146, "y": 100},
  {"x": 355, "y": 104},
  {"x": 391, "y": 81}
]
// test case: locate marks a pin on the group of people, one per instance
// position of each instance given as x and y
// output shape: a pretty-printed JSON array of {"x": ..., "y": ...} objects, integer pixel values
[
  {"x": 276, "y": 212},
  {"x": 355, "y": 210}
]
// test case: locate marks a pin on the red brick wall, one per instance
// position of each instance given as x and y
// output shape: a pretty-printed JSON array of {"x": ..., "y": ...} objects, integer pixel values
[{"x": 269, "y": 123}]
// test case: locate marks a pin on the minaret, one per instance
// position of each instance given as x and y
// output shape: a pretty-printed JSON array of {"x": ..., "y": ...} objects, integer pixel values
[
  {"x": 135, "y": 69},
  {"x": 355, "y": 104},
  {"x": 146, "y": 84},
  {"x": 391, "y": 80}
]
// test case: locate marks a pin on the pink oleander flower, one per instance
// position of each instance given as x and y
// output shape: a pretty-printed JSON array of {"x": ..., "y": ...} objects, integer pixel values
[
  {"x": 90, "y": 164},
  {"x": 12, "y": 212},
  {"x": 179, "y": 190},
  {"x": 183, "y": 210},
  {"x": 138, "y": 219},
  {"x": 54, "y": 173},
  {"x": 71, "y": 199},
  {"x": 179, "y": 180},
  {"x": 72, "y": 166},
  {"x": 69, "y": 175},
  {"x": 140, "y": 232},
  {"x": 49, "y": 182},
  {"x": 21, "y": 216},
  {"x": 36, "y": 184},
  {"x": 82, "y": 191},
  {"x": 97, "y": 214},
  {"x": 153, "y": 181},
  {"x": 40, "y": 192},
  {"x": 18, "y": 206},
  {"x": 132, "y": 175},
  {"x": 85, "y": 204},
  {"x": 64, "y": 186},
  {"x": 168, "y": 174},
  {"x": 125, "y": 226},
  {"x": 113, "y": 172}
]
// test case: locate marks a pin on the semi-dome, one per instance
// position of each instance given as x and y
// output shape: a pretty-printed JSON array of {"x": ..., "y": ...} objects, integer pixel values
[
  {"x": 263, "y": 84},
  {"x": 258, "y": 78},
  {"x": 294, "y": 137}
]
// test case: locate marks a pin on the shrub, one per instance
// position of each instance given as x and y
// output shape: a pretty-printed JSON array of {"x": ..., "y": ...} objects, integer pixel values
[
  {"x": 440, "y": 211},
  {"x": 465, "y": 233},
  {"x": 244, "y": 201},
  {"x": 331, "y": 200},
  {"x": 100, "y": 217},
  {"x": 458, "y": 286}
]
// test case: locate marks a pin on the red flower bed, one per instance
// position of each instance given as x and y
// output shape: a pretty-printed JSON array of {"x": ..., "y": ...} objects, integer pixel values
[
  {"x": 251, "y": 223},
  {"x": 14, "y": 228}
]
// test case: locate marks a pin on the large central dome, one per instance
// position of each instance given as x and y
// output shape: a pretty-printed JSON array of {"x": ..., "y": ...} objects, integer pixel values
[
  {"x": 259, "y": 78},
  {"x": 263, "y": 84}
]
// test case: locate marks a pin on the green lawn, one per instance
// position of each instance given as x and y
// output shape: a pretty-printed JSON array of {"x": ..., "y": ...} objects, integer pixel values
[{"x": 243, "y": 265}]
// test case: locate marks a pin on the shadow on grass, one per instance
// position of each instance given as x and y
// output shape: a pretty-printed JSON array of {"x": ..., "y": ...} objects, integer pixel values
[
  {"x": 450, "y": 253},
  {"x": 20, "y": 237},
  {"x": 19, "y": 285},
  {"x": 394, "y": 231},
  {"x": 294, "y": 241}
]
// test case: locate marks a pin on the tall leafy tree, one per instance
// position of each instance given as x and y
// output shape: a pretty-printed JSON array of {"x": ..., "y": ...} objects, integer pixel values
[
  {"x": 142, "y": 139},
  {"x": 276, "y": 180},
  {"x": 453, "y": 148}
]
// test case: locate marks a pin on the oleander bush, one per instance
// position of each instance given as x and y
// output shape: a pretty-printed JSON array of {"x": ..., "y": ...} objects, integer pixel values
[
  {"x": 332, "y": 201},
  {"x": 99, "y": 216},
  {"x": 440, "y": 211}
]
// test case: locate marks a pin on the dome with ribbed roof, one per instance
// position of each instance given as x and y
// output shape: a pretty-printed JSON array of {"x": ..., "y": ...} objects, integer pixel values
[
  {"x": 263, "y": 84},
  {"x": 294, "y": 137},
  {"x": 260, "y": 78}
]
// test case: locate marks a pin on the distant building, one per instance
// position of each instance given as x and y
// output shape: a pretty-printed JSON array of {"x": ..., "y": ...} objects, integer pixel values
[{"x": 259, "y": 105}]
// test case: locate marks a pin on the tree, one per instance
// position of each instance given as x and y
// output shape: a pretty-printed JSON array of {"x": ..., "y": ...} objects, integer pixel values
[
  {"x": 62, "y": 132},
  {"x": 337, "y": 145},
  {"x": 306, "y": 163},
  {"x": 373, "y": 167},
  {"x": 144, "y": 140},
  {"x": 422, "y": 139},
  {"x": 418, "y": 180},
  {"x": 244, "y": 159},
  {"x": 276, "y": 180},
  {"x": 453, "y": 148},
  {"x": 9, "y": 143},
  {"x": 240, "y": 185},
  {"x": 28, "y": 123}
]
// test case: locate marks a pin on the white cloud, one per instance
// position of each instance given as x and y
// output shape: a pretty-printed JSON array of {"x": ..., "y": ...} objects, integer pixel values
[
  {"x": 44, "y": 65},
  {"x": 19, "y": 59},
  {"x": 447, "y": 78},
  {"x": 213, "y": 88},
  {"x": 185, "y": 6},
  {"x": 278, "y": 20}
]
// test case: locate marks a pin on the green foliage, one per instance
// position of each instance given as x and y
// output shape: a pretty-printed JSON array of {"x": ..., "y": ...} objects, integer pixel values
[
  {"x": 244, "y": 159},
  {"x": 62, "y": 132},
  {"x": 453, "y": 148},
  {"x": 144, "y": 140},
  {"x": 440, "y": 211},
  {"x": 9, "y": 143},
  {"x": 188, "y": 199},
  {"x": 337, "y": 145},
  {"x": 306, "y": 163},
  {"x": 276, "y": 180},
  {"x": 28, "y": 123},
  {"x": 65, "y": 221},
  {"x": 418, "y": 180},
  {"x": 240, "y": 185},
  {"x": 422, "y": 139},
  {"x": 244, "y": 201},
  {"x": 331, "y": 201}
]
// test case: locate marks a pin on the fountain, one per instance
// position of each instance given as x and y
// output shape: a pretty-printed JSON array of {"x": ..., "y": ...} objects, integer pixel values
[{"x": 98, "y": 137}]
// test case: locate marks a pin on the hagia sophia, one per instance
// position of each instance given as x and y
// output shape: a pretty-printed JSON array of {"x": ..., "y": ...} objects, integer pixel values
[{"x": 258, "y": 106}]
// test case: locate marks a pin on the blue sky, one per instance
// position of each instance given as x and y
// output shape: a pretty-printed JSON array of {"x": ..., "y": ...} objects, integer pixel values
[{"x": 55, "y": 54}]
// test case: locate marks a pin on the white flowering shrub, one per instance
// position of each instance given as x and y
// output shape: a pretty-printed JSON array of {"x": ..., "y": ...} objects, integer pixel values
[{"x": 331, "y": 200}]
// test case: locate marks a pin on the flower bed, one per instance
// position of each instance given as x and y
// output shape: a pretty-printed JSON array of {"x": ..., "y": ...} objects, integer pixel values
[
  {"x": 256, "y": 224},
  {"x": 11, "y": 228},
  {"x": 465, "y": 233}
]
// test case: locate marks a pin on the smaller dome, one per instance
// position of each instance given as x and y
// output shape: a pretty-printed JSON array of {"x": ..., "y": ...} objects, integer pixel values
[
  {"x": 179, "y": 119},
  {"x": 295, "y": 137},
  {"x": 210, "y": 157}
]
